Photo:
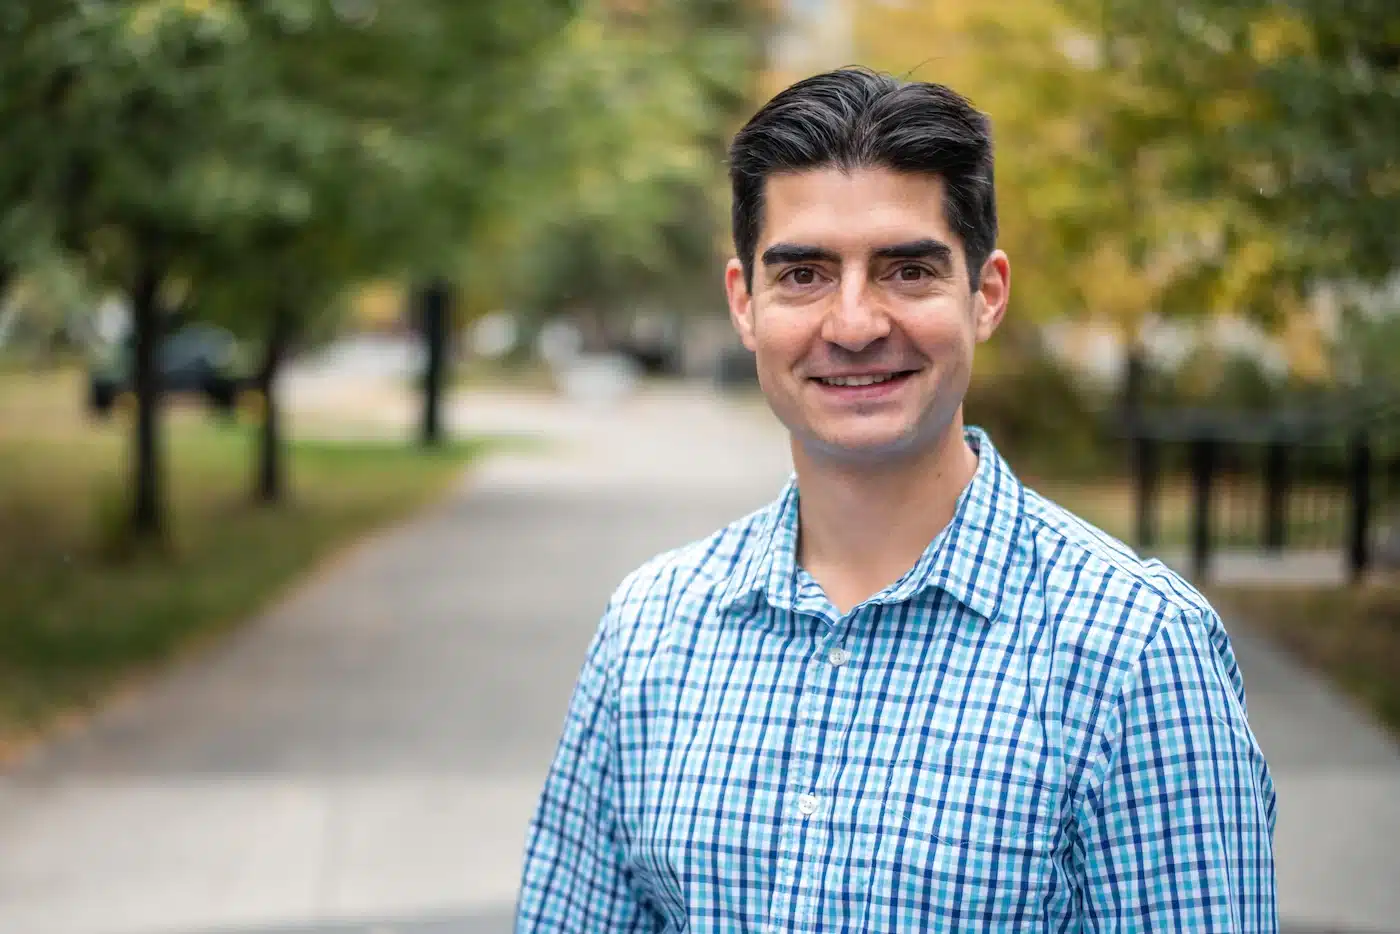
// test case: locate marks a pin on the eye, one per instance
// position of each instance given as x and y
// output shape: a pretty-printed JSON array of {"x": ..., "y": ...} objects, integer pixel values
[
  {"x": 912, "y": 272},
  {"x": 800, "y": 275}
]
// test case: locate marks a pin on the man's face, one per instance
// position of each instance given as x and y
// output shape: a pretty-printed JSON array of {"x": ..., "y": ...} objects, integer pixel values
[{"x": 862, "y": 318}]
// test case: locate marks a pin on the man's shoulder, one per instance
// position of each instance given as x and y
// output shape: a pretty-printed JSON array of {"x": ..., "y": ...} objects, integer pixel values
[
  {"x": 1100, "y": 596},
  {"x": 1106, "y": 606},
  {"x": 1083, "y": 562}
]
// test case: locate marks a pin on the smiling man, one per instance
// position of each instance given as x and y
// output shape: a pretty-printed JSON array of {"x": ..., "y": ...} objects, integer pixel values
[{"x": 909, "y": 695}]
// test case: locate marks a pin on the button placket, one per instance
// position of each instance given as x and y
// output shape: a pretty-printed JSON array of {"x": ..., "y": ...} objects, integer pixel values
[{"x": 793, "y": 869}]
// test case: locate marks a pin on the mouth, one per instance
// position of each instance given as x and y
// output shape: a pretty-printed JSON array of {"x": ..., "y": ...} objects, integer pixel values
[
  {"x": 869, "y": 380},
  {"x": 865, "y": 386}
]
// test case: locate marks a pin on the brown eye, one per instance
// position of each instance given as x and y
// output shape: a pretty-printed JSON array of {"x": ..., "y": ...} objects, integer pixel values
[
  {"x": 803, "y": 276},
  {"x": 911, "y": 273}
]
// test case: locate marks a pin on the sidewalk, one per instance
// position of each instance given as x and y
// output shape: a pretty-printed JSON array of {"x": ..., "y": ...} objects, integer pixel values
[{"x": 364, "y": 757}]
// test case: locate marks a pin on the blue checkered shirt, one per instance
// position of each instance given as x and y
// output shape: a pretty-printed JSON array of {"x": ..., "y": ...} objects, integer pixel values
[{"x": 1032, "y": 730}]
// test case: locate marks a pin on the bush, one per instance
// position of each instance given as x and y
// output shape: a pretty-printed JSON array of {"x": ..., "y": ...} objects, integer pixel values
[{"x": 1042, "y": 419}]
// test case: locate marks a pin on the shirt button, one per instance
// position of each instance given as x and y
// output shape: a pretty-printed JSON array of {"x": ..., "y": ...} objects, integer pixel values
[
  {"x": 838, "y": 657},
  {"x": 807, "y": 804}
]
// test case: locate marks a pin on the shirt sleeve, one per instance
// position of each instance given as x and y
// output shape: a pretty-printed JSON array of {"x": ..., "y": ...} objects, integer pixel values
[
  {"x": 574, "y": 877},
  {"x": 1176, "y": 830}
]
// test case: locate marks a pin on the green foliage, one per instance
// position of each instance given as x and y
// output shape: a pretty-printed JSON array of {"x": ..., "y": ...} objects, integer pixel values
[
  {"x": 1289, "y": 112},
  {"x": 1175, "y": 158},
  {"x": 616, "y": 193},
  {"x": 253, "y": 156},
  {"x": 1045, "y": 421},
  {"x": 256, "y": 146}
]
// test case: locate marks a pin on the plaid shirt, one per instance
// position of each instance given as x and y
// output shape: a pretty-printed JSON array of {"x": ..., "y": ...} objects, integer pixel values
[{"x": 1032, "y": 730}]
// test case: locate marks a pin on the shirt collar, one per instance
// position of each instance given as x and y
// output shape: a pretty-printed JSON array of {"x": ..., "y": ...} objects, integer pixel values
[
  {"x": 768, "y": 555},
  {"x": 968, "y": 559}
]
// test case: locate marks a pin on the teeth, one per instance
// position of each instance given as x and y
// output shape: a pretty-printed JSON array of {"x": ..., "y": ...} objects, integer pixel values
[{"x": 857, "y": 380}]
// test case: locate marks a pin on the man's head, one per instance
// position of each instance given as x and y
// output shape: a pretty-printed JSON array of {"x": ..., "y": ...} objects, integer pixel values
[{"x": 865, "y": 229}]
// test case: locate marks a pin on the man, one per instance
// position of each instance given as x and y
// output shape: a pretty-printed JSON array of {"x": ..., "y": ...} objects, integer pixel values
[{"x": 910, "y": 695}]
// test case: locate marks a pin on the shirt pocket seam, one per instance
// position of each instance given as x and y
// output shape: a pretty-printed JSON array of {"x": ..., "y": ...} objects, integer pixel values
[{"x": 914, "y": 787}]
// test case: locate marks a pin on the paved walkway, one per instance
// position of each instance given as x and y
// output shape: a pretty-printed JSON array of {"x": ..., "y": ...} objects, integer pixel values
[{"x": 364, "y": 757}]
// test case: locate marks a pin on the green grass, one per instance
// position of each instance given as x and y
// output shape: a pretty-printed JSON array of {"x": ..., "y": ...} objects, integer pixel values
[
  {"x": 1350, "y": 635},
  {"x": 80, "y": 613},
  {"x": 495, "y": 374}
]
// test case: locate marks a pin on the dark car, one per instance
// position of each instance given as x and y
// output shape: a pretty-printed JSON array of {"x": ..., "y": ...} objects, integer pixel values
[{"x": 194, "y": 360}]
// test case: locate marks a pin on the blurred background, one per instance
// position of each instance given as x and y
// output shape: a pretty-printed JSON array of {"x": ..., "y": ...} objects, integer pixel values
[{"x": 352, "y": 350}]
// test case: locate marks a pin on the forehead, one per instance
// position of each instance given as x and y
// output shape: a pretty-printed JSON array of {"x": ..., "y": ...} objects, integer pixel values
[{"x": 853, "y": 212}]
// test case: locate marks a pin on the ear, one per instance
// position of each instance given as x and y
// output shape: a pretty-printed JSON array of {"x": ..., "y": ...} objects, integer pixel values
[
  {"x": 993, "y": 294},
  {"x": 740, "y": 302}
]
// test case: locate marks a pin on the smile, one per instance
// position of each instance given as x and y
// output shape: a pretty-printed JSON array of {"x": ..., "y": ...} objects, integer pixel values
[{"x": 869, "y": 380}]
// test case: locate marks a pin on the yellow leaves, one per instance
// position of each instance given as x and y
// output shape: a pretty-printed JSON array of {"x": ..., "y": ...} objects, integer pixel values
[
  {"x": 1112, "y": 287},
  {"x": 1305, "y": 346},
  {"x": 378, "y": 304},
  {"x": 145, "y": 20},
  {"x": 1252, "y": 262},
  {"x": 1083, "y": 191},
  {"x": 142, "y": 20},
  {"x": 1384, "y": 182},
  {"x": 1228, "y": 108},
  {"x": 1278, "y": 36}
]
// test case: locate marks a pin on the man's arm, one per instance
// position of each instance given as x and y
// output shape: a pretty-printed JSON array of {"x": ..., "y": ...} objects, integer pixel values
[
  {"x": 574, "y": 879},
  {"x": 1175, "y": 832}
]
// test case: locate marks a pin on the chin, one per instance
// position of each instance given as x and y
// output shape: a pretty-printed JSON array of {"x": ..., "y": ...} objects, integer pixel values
[{"x": 862, "y": 447}]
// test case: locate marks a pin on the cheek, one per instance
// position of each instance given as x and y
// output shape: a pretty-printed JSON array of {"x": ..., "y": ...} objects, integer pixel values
[
  {"x": 780, "y": 337},
  {"x": 940, "y": 331}
]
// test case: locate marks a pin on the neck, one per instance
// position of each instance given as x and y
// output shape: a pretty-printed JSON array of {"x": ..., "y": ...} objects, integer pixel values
[{"x": 862, "y": 526}]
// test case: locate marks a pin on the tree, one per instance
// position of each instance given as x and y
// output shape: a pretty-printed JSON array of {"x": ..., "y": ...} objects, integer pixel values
[
  {"x": 385, "y": 133},
  {"x": 215, "y": 142},
  {"x": 1104, "y": 207},
  {"x": 617, "y": 201},
  {"x": 1082, "y": 211},
  {"x": 124, "y": 116},
  {"x": 1294, "y": 108}
]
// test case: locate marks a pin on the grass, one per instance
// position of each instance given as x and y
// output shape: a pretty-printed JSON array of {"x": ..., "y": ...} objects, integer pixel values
[
  {"x": 80, "y": 614},
  {"x": 480, "y": 373},
  {"x": 1351, "y": 635}
]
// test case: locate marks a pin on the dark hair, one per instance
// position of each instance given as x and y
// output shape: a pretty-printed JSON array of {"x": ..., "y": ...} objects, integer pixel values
[{"x": 855, "y": 118}]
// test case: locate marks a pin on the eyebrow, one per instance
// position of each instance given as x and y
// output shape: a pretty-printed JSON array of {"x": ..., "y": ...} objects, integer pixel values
[
  {"x": 927, "y": 248},
  {"x": 780, "y": 253}
]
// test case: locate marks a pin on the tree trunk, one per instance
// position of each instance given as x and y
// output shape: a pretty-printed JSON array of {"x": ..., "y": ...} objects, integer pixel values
[
  {"x": 271, "y": 470},
  {"x": 148, "y": 505},
  {"x": 435, "y": 314}
]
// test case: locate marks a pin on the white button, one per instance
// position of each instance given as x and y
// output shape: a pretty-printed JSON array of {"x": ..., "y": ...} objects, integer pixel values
[
  {"x": 838, "y": 656},
  {"x": 807, "y": 804}
]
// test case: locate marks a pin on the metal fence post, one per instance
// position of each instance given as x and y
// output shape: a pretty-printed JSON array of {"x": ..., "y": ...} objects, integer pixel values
[
  {"x": 1146, "y": 464},
  {"x": 1202, "y": 474},
  {"x": 1359, "y": 516},
  {"x": 1275, "y": 495}
]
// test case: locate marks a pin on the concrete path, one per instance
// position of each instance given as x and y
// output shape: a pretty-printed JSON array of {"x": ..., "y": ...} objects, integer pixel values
[{"x": 364, "y": 758}]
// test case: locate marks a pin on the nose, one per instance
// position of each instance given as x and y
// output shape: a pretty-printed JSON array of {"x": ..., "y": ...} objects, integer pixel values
[{"x": 855, "y": 319}]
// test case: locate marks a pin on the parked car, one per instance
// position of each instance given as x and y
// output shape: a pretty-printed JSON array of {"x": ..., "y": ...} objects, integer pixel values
[{"x": 195, "y": 360}]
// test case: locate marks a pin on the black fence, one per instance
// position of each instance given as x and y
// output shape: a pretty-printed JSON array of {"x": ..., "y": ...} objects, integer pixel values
[{"x": 1319, "y": 474}]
